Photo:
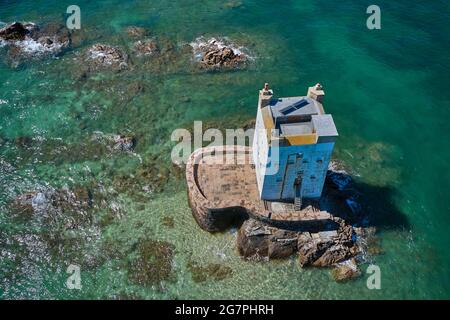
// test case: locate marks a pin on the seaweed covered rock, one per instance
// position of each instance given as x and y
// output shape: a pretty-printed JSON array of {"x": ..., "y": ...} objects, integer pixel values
[
  {"x": 101, "y": 56},
  {"x": 145, "y": 47}
]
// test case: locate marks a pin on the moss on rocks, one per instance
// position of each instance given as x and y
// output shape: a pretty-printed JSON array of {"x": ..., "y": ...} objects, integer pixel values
[
  {"x": 213, "y": 271},
  {"x": 153, "y": 264}
]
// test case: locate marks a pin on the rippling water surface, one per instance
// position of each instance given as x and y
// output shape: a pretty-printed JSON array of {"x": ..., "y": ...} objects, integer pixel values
[{"x": 109, "y": 211}]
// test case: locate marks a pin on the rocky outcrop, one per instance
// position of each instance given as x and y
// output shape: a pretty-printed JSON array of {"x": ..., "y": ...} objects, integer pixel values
[
  {"x": 345, "y": 271},
  {"x": 320, "y": 249},
  {"x": 222, "y": 57},
  {"x": 15, "y": 31},
  {"x": 145, "y": 48},
  {"x": 27, "y": 39},
  {"x": 257, "y": 239},
  {"x": 218, "y": 54},
  {"x": 101, "y": 56},
  {"x": 253, "y": 239}
]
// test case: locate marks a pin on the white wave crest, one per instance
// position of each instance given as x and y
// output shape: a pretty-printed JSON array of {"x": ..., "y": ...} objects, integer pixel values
[
  {"x": 202, "y": 44},
  {"x": 30, "y": 46}
]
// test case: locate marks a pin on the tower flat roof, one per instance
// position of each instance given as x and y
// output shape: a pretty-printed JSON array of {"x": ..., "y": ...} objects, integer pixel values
[
  {"x": 302, "y": 115},
  {"x": 324, "y": 125}
]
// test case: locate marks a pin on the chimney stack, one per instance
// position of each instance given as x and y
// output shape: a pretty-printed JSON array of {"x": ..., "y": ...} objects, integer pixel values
[
  {"x": 265, "y": 95},
  {"x": 316, "y": 92}
]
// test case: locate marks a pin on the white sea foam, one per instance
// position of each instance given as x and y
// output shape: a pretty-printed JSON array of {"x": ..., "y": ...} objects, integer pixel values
[
  {"x": 349, "y": 263},
  {"x": 30, "y": 46},
  {"x": 97, "y": 54},
  {"x": 201, "y": 44}
]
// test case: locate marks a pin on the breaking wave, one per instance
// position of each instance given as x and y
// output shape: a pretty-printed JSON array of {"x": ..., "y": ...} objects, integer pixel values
[{"x": 202, "y": 44}]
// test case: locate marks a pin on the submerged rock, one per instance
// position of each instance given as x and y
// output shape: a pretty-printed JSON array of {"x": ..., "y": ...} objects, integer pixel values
[
  {"x": 136, "y": 32},
  {"x": 62, "y": 222},
  {"x": 115, "y": 142},
  {"x": 105, "y": 56},
  {"x": 23, "y": 141},
  {"x": 153, "y": 264},
  {"x": 146, "y": 47},
  {"x": 233, "y": 4},
  {"x": 168, "y": 221},
  {"x": 213, "y": 271}
]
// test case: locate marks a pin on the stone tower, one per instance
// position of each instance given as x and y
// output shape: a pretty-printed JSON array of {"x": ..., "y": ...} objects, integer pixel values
[{"x": 292, "y": 147}]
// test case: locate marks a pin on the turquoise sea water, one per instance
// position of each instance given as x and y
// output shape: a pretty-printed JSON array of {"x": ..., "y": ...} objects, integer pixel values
[{"x": 387, "y": 90}]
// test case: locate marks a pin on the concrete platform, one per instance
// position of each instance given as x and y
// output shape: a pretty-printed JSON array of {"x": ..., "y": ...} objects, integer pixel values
[{"x": 222, "y": 187}]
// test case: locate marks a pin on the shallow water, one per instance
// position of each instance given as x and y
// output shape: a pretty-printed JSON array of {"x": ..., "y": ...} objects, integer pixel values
[{"x": 387, "y": 90}]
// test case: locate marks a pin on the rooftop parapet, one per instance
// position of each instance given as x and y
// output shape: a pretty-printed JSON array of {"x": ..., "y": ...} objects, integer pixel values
[{"x": 297, "y": 120}]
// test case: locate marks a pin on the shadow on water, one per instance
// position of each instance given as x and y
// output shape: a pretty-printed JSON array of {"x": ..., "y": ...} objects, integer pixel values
[
  {"x": 362, "y": 204},
  {"x": 379, "y": 206}
]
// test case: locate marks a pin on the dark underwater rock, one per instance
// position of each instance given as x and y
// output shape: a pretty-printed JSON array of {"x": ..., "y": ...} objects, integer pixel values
[{"x": 23, "y": 141}]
